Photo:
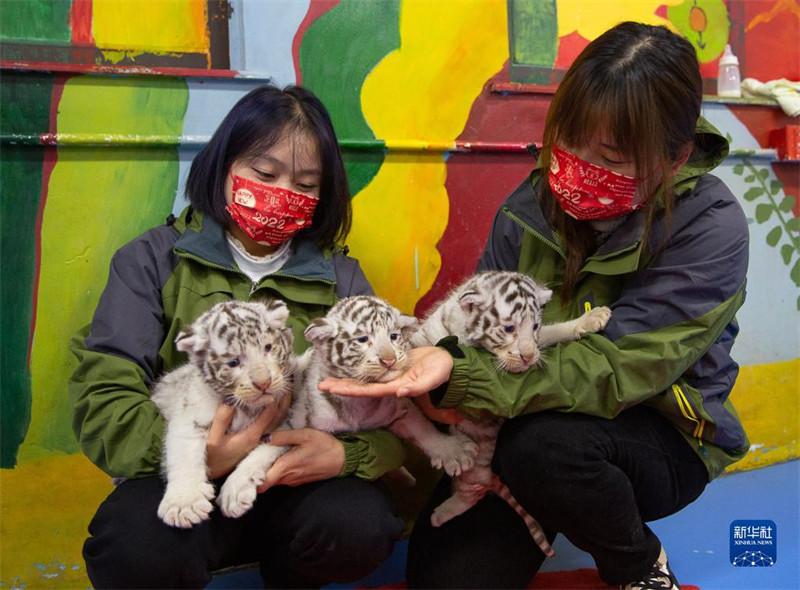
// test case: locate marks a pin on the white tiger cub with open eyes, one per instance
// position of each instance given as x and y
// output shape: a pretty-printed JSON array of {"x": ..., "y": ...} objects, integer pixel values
[
  {"x": 366, "y": 339},
  {"x": 240, "y": 354},
  {"x": 499, "y": 311}
]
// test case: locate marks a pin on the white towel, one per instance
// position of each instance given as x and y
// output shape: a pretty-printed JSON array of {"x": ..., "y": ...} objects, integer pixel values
[{"x": 786, "y": 92}]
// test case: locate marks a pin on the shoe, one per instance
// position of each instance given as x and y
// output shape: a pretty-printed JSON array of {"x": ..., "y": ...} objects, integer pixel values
[{"x": 660, "y": 577}]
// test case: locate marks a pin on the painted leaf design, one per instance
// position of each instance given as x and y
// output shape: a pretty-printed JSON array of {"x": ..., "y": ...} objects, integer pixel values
[
  {"x": 753, "y": 193},
  {"x": 774, "y": 236},
  {"x": 787, "y": 250},
  {"x": 786, "y": 204},
  {"x": 764, "y": 212},
  {"x": 795, "y": 272}
]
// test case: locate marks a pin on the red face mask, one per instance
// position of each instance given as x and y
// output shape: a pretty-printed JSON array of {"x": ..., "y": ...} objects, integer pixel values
[
  {"x": 588, "y": 191},
  {"x": 267, "y": 213}
]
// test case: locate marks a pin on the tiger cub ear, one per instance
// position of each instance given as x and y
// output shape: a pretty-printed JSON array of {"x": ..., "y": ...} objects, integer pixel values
[
  {"x": 191, "y": 340},
  {"x": 408, "y": 325},
  {"x": 472, "y": 300},
  {"x": 543, "y": 295},
  {"x": 277, "y": 311},
  {"x": 320, "y": 330}
]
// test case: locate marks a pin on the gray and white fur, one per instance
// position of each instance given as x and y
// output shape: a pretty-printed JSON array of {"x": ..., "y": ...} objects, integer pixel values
[
  {"x": 366, "y": 339},
  {"x": 240, "y": 354},
  {"x": 500, "y": 311}
]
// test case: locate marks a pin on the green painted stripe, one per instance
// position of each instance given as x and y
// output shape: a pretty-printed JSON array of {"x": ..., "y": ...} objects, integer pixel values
[
  {"x": 338, "y": 52},
  {"x": 26, "y": 106},
  {"x": 39, "y": 20},
  {"x": 98, "y": 199}
]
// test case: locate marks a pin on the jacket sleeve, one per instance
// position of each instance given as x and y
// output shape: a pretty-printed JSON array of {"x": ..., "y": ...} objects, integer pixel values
[
  {"x": 668, "y": 316},
  {"x": 119, "y": 429},
  {"x": 372, "y": 453}
]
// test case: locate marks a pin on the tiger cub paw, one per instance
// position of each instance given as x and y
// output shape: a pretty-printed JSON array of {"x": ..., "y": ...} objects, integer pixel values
[
  {"x": 238, "y": 494},
  {"x": 455, "y": 454},
  {"x": 186, "y": 505},
  {"x": 593, "y": 321}
]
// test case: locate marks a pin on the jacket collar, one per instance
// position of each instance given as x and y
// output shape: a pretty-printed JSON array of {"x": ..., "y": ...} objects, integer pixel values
[
  {"x": 525, "y": 206},
  {"x": 204, "y": 238}
]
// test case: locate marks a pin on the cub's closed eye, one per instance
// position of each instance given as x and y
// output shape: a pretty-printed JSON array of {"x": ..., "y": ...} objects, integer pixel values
[
  {"x": 233, "y": 363},
  {"x": 268, "y": 347},
  {"x": 508, "y": 329},
  {"x": 362, "y": 339}
]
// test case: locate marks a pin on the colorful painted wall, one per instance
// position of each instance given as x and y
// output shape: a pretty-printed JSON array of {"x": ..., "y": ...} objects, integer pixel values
[{"x": 104, "y": 103}]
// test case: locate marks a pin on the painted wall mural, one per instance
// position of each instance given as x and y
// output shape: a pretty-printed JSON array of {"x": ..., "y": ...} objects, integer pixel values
[{"x": 434, "y": 121}]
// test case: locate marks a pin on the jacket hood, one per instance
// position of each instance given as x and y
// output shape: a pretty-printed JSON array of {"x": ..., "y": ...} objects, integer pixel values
[{"x": 710, "y": 149}]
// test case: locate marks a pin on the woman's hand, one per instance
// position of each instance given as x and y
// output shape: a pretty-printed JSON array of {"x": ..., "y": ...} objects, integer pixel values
[
  {"x": 315, "y": 455},
  {"x": 430, "y": 367},
  {"x": 225, "y": 450}
]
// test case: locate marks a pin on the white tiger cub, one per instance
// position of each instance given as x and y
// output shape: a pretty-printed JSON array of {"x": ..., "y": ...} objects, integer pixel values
[
  {"x": 366, "y": 339},
  {"x": 499, "y": 311},
  {"x": 240, "y": 354}
]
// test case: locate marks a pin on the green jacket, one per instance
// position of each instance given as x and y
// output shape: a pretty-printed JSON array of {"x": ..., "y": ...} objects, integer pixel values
[
  {"x": 668, "y": 342},
  {"x": 161, "y": 282}
]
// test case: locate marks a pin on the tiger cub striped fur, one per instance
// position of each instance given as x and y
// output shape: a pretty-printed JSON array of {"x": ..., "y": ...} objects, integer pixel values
[
  {"x": 240, "y": 354},
  {"x": 366, "y": 339},
  {"x": 500, "y": 311}
]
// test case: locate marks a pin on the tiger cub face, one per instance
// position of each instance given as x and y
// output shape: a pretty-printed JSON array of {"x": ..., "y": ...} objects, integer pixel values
[
  {"x": 502, "y": 313},
  {"x": 362, "y": 338},
  {"x": 243, "y": 350}
]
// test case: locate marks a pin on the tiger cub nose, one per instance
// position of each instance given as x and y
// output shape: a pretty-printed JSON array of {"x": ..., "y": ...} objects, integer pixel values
[
  {"x": 388, "y": 362},
  {"x": 263, "y": 384},
  {"x": 261, "y": 378}
]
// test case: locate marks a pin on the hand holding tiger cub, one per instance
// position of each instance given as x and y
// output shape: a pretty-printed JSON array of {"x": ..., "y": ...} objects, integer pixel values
[
  {"x": 240, "y": 354},
  {"x": 429, "y": 367},
  {"x": 225, "y": 449}
]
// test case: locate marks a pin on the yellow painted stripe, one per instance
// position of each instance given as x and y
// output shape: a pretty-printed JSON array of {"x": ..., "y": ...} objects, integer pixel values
[
  {"x": 134, "y": 27},
  {"x": 449, "y": 50}
]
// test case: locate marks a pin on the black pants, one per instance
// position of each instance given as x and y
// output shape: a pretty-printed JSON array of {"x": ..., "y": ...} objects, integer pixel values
[
  {"x": 593, "y": 480},
  {"x": 337, "y": 530}
]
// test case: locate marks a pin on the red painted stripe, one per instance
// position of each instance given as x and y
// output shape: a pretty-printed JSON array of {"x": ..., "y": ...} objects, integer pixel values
[
  {"x": 50, "y": 159},
  {"x": 316, "y": 9},
  {"x": 118, "y": 70},
  {"x": 492, "y": 146},
  {"x": 515, "y": 88},
  {"x": 80, "y": 21}
]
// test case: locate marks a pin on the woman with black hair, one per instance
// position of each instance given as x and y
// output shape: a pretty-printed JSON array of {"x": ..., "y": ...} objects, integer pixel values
[
  {"x": 626, "y": 426},
  {"x": 270, "y": 208}
]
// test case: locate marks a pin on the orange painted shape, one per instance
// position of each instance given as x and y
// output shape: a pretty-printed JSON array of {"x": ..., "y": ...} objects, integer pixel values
[
  {"x": 781, "y": 6},
  {"x": 697, "y": 19}
]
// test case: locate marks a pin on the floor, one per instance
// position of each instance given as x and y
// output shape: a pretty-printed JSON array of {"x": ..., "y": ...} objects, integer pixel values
[{"x": 697, "y": 540}]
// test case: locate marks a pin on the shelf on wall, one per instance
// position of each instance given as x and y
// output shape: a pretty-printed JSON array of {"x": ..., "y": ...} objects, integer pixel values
[{"x": 549, "y": 90}]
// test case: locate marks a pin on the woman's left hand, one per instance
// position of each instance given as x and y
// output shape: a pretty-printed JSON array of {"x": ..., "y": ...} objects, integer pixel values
[
  {"x": 315, "y": 455},
  {"x": 430, "y": 367}
]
